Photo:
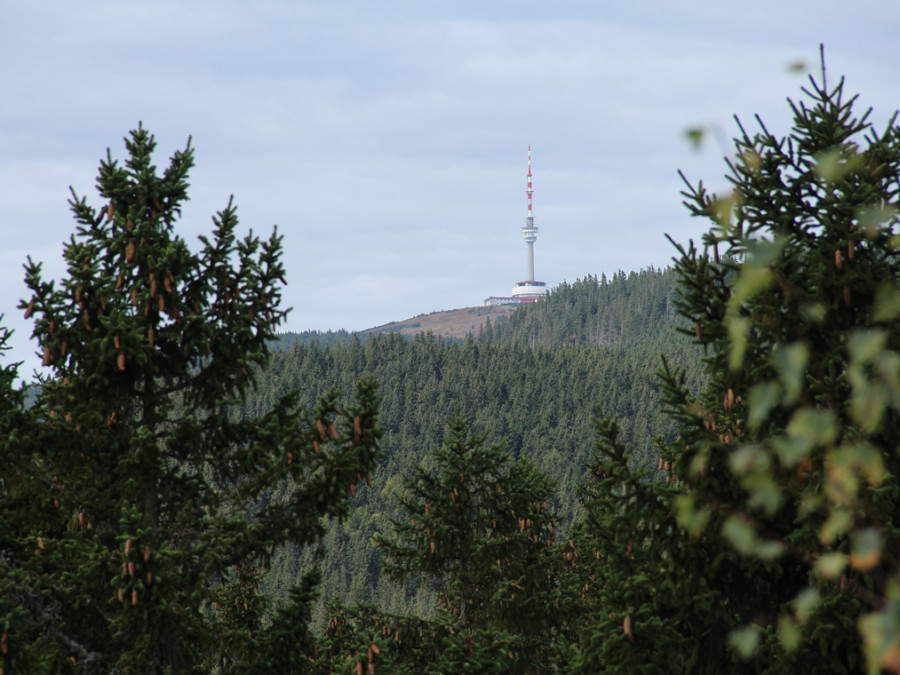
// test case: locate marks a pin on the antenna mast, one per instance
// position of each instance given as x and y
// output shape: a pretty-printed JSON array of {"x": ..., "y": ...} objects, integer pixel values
[{"x": 530, "y": 231}]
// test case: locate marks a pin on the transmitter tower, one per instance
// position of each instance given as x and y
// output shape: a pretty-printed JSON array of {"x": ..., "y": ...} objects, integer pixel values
[
  {"x": 530, "y": 230},
  {"x": 530, "y": 289}
]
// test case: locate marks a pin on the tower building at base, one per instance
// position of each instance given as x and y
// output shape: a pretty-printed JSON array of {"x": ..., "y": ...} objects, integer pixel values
[{"x": 528, "y": 290}]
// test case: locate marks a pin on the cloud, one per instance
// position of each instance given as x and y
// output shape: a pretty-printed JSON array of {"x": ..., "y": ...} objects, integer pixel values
[{"x": 387, "y": 140}]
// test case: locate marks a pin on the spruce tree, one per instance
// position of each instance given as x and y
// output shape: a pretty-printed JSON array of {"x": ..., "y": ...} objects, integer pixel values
[
  {"x": 141, "y": 507},
  {"x": 479, "y": 526},
  {"x": 776, "y": 547}
]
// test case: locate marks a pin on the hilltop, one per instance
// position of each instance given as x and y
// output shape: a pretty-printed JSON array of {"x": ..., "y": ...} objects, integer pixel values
[{"x": 453, "y": 323}]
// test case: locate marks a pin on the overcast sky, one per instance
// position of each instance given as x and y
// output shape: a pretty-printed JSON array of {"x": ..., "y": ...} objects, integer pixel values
[{"x": 387, "y": 139}]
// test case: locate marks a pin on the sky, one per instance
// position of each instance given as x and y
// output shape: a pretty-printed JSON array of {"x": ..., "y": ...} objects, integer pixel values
[{"x": 387, "y": 139}]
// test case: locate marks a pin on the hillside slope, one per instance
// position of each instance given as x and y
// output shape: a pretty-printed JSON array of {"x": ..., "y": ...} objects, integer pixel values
[{"x": 532, "y": 379}]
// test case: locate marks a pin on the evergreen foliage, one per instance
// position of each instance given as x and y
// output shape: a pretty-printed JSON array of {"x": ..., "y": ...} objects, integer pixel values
[
  {"x": 329, "y": 337},
  {"x": 532, "y": 399},
  {"x": 635, "y": 310},
  {"x": 480, "y": 527},
  {"x": 133, "y": 502},
  {"x": 771, "y": 545}
]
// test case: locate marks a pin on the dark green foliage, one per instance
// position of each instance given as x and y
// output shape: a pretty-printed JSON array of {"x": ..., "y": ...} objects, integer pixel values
[
  {"x": 813, "y": 225},
  {"x": 466, "y": 511},
  {"x": 405, "y": 645},
  {"x": 635, "y": 310},
  {"x": 649, "y": 601},
  {"x": 775, "y": 532},
  {"x": 139, "y": 499},
  {"x": 287, "y": 645},
  {"x": 536, "y": 400},
  {"x": 480, "y": 528},
  {"x": 27, "y": 612},
  {"x": 330, "y": 337}
]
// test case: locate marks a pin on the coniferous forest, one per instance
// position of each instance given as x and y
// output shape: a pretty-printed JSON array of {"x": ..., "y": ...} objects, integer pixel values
[
  {"x": 691, "y": 469},
  {"x": 522, "y": 381}
]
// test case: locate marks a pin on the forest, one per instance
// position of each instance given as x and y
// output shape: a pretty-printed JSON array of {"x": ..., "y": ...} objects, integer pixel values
[
  {"x": 524, "y": 381},
  {"x": 691, "y": 469}
]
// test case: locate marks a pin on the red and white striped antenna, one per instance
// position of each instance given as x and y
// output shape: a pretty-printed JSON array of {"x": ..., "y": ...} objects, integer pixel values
[
  {"x": 529, "y": 190},
  {"x": 530, "y": 230}
]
